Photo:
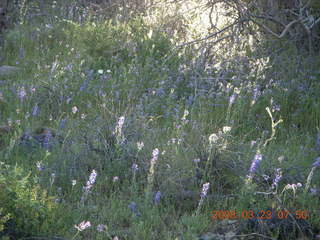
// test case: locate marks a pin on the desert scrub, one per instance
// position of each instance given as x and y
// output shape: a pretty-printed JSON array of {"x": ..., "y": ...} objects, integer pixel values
[{"x": 27, "y": 209}]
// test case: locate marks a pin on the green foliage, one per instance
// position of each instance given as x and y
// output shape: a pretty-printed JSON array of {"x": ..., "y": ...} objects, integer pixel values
[
  {"x": 207, "y": 122},
  {"x": 27, "y": 209},
  {"x": 122, "y": 44}
]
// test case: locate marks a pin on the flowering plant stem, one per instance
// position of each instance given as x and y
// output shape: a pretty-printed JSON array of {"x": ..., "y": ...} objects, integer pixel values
[
  {"x": 74, "y": 237},
  {"x": 273, "y": 127}
]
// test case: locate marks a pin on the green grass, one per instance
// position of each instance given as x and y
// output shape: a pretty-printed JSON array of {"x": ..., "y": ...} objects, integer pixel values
[{"x": 111, "y": 69}]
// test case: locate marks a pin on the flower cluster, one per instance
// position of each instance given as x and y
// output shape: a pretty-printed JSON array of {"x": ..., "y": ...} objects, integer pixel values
[
  {"x": 135, "y": 167},
  {"x": 133, "y": 207},
  {"x": 140, "y": 145},
  {"x": 157, "y": 198},
  {"x": 119, "y": 126},
  {"x": 89, "y": 185},
  {"x": 101, "y": 228},
  {"x": 293, "y": 187},
  {"x": 277, "y": 178},
  {"x": 205, "y": 189},
  {"x": 22, "y": 94},
  {"x": 203, "y": 195},
  {"x": 155, "y": 154},
  {"x": 255, "y": 163},
  {"x": 83, "y": 225},
  {"x": 35, "y": 110},
  {"x": 118, "y": 130},
  {"x": 184, "y": 117}
]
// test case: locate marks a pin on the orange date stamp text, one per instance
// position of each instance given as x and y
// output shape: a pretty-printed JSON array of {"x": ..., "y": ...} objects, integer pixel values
[{"x": 261, "y": 214}]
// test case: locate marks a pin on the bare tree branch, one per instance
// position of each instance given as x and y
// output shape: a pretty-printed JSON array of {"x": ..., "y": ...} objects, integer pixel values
[
  {"x": 213, "y": 35},
  {"x": 286, "y": 29}
]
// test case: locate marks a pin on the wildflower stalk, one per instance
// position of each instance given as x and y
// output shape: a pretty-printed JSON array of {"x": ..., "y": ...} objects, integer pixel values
[
  {"x": 254, "y": 166},
  {"x": 203, "y": 195},
  {"x": 150, "y": 178},
  {"x": 80, "y": 227},
  {"x": 232, "y": 99},
  {"x": 89, "y": 185},
  {"x": 118, "y": 130},
  {"x": 273, "y": 127},
  {"x": 309, "y": 179},
  {"x": 74, "y": 237},
  {"x": 23, "y": 11}
]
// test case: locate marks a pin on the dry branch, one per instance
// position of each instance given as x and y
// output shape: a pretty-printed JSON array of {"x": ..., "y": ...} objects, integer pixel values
[{"x": 213, "y": 35}]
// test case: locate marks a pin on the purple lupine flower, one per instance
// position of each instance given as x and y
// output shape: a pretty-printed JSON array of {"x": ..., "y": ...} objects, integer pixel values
[
  {"x": 157, "y": 198},
  {"x": 255, "y": 94},
  {"x": 102, "y": 93},
  {"x": 69, "y": 67},
  {"x": 35, "y": 110},
  {"x": 155, "y": 154},
  {"x": 316, "y": 163},
  {"x": 197, "y": 160},
  {"x": 255, "y": 163},
  {"x": 232, "y": 98},
  {"x": 63, "y": 123},
  {"x": 92, "y": 178},
  {"x": 90, "y": 182},
  {"x": 190, "y": 100},
  {"x": 89, "y": 74},
  {"x": 22, "y": 93},
  {"x": 314, "y": 191},
  {"x": 101, "y": 228},
  {"x": 133, "y": 207},
  {"x": 203, "y": 194},
  {"x": 277, "y": 179},
  {"x": 46, "y": 140},
  {"x": 135, "y": 167},
  {"x": 84, "y": 85},
  {"x": 204, "y": 190},
  {"x": 318, "y": 141}
]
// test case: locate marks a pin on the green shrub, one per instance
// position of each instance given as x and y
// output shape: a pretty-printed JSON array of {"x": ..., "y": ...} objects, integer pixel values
[{"x": 27, "y": 209}]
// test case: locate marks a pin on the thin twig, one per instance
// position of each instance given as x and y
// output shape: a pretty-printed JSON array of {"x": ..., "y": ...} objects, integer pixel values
[
  {"x": 212, "y": 34},
  {"x": 284, "y": 32}
]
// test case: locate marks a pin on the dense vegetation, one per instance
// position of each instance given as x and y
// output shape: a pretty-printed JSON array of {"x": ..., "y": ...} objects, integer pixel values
[{"x": 128, "y": 122}]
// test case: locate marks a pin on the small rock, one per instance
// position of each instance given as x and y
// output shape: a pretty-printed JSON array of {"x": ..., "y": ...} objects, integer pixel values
[{"x": 8, "y": 70}]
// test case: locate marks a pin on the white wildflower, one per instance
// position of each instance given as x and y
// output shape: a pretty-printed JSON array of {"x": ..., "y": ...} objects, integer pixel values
[
  {"x": 226, "y": 129},
  {"x": 74, "y": 109},
  {"x": 83, "y": 225}
]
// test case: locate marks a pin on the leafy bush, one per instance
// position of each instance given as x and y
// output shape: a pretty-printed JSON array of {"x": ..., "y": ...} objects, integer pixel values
[{"x": 27, "y": 209}]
